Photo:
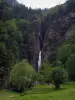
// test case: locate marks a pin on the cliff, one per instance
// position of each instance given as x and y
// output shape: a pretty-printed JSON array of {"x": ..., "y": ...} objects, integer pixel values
[
  {"x": 59, "y": 29},
  {"x": 47, "y": 30}
]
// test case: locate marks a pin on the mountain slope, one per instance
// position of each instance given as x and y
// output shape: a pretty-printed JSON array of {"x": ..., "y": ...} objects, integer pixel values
[
  {"x": 56, "y": 28},
  {"x": 12, "y": 2}
]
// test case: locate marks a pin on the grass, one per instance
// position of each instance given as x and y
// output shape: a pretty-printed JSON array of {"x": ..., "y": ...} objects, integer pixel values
[{"x": 42, "y": 92}]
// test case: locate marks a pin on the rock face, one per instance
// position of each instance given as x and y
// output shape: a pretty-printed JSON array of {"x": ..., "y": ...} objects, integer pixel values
[
  {"x": 34, "y": 44},
  {"x": 59, "y": 30}
]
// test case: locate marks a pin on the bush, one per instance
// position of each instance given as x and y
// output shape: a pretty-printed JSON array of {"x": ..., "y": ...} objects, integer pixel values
[{"x": 22, "y": 76}]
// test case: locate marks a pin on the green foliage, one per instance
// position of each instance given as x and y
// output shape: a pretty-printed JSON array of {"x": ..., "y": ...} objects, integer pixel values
[
  {"x": 63, "y": 53},
  {"x": 72, "y": 48},
  {"x": 59, "y": 76},
  {"x": 23, "y": 24},
  {"x": 22, "y": 76},
  {"x": 70, "y": 64},
  {"x": 45, "y": 73},
  {"x": 19, "y": 27},
  {"x": 6, "y": 61},
  {"x": 16, "y": 32},
  {"x": 10, "y": 41},
  {"x": 53, "y": 74},
  {"x": 57, "y": 63},
  {"x": 57, "y": 10},
  {"x": 66, "y": 54}
]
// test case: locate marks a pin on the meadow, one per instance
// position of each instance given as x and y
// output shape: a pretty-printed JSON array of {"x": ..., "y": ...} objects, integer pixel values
[{"x": 42, "y": 92}]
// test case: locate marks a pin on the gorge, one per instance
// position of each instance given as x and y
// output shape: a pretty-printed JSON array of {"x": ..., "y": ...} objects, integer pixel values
[{"x": 33, "y": 34}]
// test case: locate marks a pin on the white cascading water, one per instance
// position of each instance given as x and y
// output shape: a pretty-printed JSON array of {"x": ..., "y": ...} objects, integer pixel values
[{"x": 39, "y": 61}]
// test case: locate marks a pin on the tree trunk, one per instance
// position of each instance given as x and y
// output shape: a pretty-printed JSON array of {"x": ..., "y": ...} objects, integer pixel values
[{"x": 57, "y": 85}]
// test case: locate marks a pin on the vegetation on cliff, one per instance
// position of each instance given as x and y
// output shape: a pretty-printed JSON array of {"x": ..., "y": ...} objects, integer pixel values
[{"x": 24, "y": 32}]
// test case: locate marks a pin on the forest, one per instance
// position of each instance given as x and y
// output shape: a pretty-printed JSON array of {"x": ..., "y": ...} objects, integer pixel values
[{"x": 24, "y": 33}]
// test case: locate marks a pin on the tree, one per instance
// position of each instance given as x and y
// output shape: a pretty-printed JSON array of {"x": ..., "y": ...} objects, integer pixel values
[
  {"x": 70, "y": 4},
  {"x": 22, "y": 76},
  {"x": 45, "y": 73},
  {"x": 63, "y": 53},
  {"x": 72, "y": 48},
  {"x": 56, "y": 63},
  {"x": 59, "y": 76},
  {"x": 70, "y": 64},
  {"x": 5, "y": 63}
]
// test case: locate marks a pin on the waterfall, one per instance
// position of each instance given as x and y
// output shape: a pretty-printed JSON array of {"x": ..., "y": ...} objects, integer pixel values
[
  {"x": 39, "y": 58},
  {"x": 39, "y": 61}
]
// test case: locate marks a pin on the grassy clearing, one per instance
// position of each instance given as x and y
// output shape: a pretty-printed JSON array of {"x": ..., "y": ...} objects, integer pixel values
[{"x": 42, "y": 92}]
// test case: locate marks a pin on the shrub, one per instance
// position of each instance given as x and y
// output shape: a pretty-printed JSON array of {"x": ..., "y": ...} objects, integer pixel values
[{"x": 22, "y": 76}]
